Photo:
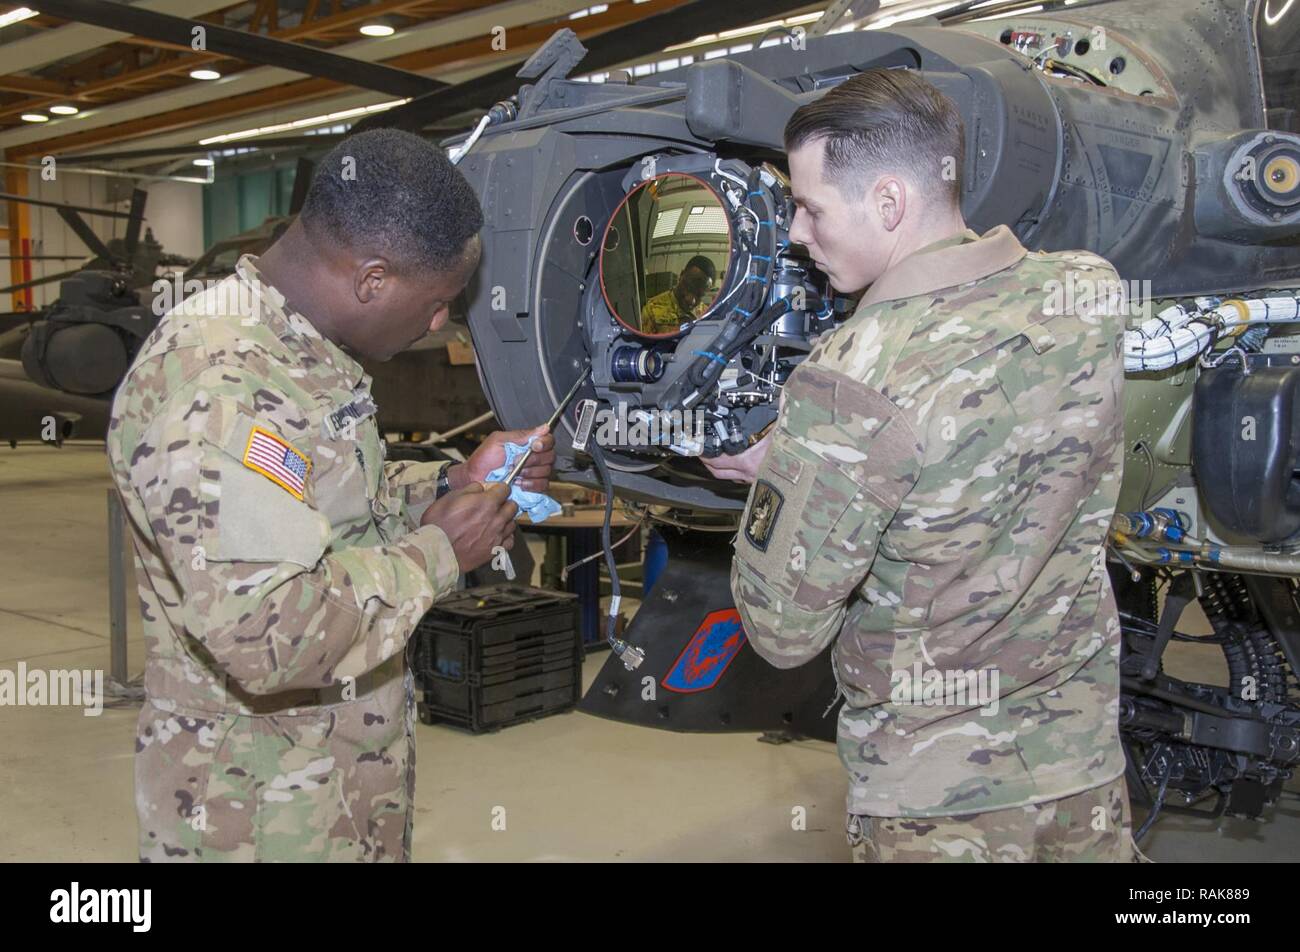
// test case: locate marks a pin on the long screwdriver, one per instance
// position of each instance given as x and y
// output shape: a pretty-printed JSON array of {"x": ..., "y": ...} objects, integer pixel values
[{"x": 550, "y": 425}]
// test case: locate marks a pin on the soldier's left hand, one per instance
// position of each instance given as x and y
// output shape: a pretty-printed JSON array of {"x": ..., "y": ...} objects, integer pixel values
[
  {"x": 535, "y": 477},
  {"x": 743, "y": 467}
]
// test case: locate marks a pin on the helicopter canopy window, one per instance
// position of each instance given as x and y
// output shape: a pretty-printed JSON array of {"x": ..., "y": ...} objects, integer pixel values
[
  {"x": 668, "y": 267},
  {"x": 1277, "y": 27}
]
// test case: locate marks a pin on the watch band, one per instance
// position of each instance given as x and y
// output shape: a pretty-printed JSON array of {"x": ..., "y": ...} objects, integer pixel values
[{"x": 443, "y": 484}]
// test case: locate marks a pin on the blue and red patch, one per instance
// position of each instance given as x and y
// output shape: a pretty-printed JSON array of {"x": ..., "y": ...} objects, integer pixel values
[{"x": 706, "y": 656}]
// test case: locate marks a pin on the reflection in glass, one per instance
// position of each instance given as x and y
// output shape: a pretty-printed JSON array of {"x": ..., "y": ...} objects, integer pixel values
[{"x": 669, "y": 269}]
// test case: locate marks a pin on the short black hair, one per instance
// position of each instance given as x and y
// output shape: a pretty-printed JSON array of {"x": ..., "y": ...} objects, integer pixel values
[
  {"x": 885, "y": 119},
  {"x": 397, "y": 194},
  {"x": 704, "y": 264}
]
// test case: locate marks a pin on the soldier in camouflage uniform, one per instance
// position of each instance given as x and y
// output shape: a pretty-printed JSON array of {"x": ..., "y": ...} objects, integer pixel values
[
  {"x": 682, "y": 303},
  {"x": 934, "y": 498},
  {"x": 283, "y": 564}
]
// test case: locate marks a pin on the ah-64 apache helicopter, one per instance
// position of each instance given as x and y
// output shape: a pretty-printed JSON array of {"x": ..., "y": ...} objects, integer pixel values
[{"x": 1161, "y": 134}]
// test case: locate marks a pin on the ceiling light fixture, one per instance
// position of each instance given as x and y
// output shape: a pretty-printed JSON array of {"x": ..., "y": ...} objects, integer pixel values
[
  {"x": 17, "y": 16},
  {"x": 206, "y": 74},
  {"x": 64, "y": 110},
  {"x": 328, "y": 118}
]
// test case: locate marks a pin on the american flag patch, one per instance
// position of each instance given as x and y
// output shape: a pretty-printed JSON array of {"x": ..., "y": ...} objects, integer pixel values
[{"x": 275, "y": 459}]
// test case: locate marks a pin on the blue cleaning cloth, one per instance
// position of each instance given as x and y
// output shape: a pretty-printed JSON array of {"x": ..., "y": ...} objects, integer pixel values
[{"x": 539, "y": 506}]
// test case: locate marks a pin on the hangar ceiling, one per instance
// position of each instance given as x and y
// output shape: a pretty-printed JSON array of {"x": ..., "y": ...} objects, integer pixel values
[{"x": 132, "y": 89}]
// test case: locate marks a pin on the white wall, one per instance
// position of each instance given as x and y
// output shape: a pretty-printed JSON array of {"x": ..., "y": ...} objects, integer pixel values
[{"x": 174, "y": 211}]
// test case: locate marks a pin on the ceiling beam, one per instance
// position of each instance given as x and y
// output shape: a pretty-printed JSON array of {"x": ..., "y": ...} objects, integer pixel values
[
  {"x": 103, "y": 90},
  {"x": 471, "y": 25},
  {"x": 50, "y": 46},
  {"x": 248, "y": 47},
  {"x": 34, "y": 84},
  {"x": 469, "y": 52}
]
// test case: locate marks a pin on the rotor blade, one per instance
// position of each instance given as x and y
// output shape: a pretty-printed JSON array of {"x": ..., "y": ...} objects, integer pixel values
[
  {"x": 88, "y": 237},
  {"x": 248, "y": 47},
  {"x": 42, "y": 257},
  {"x": 270, "y": 142},
  {"x": 11, "y": 320},
  {"x": 630, "y": 41},
  {"x": 45, "y": 280},
  {"x": 83, "y": 209},
  {"x": 301, "y": 182},
  {"x": 132, "y": 238}
]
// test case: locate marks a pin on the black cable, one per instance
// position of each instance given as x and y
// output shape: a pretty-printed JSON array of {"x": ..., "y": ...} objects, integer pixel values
[
  {"x": 1144, "y": 626},
  {"x": 607, "y": 484},
  {"x": 748, "y": 315},
  {"x": 1151, "y": 473},
  {"x": 1155, "y": 807},
  {"x": 785, "y": 30},
  {"x": 630, "y": 656}
]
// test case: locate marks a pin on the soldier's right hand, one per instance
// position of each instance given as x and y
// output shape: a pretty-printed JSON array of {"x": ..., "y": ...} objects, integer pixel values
[{"x": 476, "y": 519}]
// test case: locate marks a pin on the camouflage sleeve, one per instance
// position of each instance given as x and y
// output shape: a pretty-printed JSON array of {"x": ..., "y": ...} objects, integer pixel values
[
  {"x": 660, "y": 314},
  {"x": 415, "y": 483},
  {"x": 268, "y": 598},
  {"x": 841, "y": 461}
]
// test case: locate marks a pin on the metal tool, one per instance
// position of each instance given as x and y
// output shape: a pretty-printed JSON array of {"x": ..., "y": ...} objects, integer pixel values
[{"x": 550, "y": 425}]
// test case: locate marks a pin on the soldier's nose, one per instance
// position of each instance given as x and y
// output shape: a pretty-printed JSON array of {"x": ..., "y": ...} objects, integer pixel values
[{"x": 798, "y": 232}]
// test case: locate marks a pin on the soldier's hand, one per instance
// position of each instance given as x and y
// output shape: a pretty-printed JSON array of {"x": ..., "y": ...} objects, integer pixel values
[
  {"x": 743, "y": 467},
  {"x": 476, "y": 519},
  {"x": 535, "y": 477}
]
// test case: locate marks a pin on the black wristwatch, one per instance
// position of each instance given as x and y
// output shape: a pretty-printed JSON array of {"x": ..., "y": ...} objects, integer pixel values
[{"x": 444, "y": 484}]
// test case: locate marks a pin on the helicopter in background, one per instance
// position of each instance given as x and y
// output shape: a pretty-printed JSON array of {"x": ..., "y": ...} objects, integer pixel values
[{"x": 58, "y": 363}]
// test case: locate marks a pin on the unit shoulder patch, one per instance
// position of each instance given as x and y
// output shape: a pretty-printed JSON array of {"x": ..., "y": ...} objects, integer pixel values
[
  {"x": 763, "y": 513},
  {"x": 279, "y": 462}
]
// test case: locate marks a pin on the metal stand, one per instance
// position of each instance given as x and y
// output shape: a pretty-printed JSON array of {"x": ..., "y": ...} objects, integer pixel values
[
  {"x": 706, "y": 676},
  {"x": 119, "y": 682},
  {"x": 116, "y": 589}
]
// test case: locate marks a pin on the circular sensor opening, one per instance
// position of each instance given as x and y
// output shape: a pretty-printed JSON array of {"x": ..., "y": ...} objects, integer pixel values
[{"x": 583, "y": 230}]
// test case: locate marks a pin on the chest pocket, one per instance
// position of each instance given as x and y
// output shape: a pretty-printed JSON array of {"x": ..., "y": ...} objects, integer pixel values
[{"x": 385, "y": 507}]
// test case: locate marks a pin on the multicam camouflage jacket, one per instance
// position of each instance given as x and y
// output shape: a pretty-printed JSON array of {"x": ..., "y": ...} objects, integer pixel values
[
  {"x": 662, "y": 314},
  {"x": 281, "y": 572},
  {"x": 935, "y": 501}
]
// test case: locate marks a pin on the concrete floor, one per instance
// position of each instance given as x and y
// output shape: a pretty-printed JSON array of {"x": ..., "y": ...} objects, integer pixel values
[{"x": 573, "y": 787}]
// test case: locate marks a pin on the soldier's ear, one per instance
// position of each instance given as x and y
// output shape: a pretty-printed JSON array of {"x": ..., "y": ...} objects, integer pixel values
[
  {"x": 890, "y": 199},
  {"x": 370, "y": 279}
]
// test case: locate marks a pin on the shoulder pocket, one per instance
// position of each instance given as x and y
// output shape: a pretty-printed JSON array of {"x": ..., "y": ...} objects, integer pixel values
[
  {"x": 257, "y": 516},
  {"x": 795, "y": 503}
]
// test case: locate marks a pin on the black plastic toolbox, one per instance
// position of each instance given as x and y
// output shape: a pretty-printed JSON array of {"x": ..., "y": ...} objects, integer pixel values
[{"x": 485, "y": 658}]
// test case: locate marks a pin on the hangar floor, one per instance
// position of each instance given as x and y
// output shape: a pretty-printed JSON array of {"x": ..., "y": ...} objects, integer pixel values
[{"x": 574, "y": 787}]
